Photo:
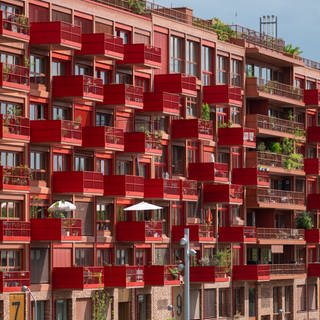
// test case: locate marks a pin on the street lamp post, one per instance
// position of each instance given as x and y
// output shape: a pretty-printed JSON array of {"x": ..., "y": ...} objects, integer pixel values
[{"x": 27, "y": 289}]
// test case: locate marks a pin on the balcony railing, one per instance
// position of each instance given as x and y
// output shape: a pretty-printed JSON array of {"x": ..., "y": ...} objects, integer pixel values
[
  {"x": 125, "y": 185},
  {"x": 14, "y": 74},
  {"x": 153, "y": 229},
  {"x": 189, "y": 190},
  {"x": 92, "y": 85},
  {"x": 287, "y": 269},
  {"x": 11, "y": 230},
  {"x": 280, "y": 196},
  {"x": 275, "y": 124},
  {"x": 280, "y": 233},
  {"x": 311, "y": 64},
  {"x": 70, "y": 130},
  {"x": 279, "y": 89},
  {"x": 13, "y": 280},
  {"x": 15, "y": 176},
  {"x": 14, "y": 125},
  {"x": 16, "y": 23},
  {"x": 206, "y": 231}
]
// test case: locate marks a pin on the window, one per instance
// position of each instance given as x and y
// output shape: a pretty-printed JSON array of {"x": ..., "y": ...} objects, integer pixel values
[
  {"x": 80, "y": 69},
  {"x": 124, "y": 35},
  {"x": 178, "y": 159},
  {"x": 236, "y": 73},
  {"x": 235, "y": 115},
  {"x": 41, "y": 307},
  {"x": 206, "y": 67},
  {"x": 104, "y": 257},
  {"x": 140, "y": 257},
  {"x": 61, "y": 308},
  {"x": 224, "y": 303},
  {"x": 11, "y": 209},
  {"x": 11, "y": 108},
  {"x": 252, "y": 302},
  {"x": 37, "y": 111},
  {"x": 60, "y": 113},
  {"x": 191, "y": 58},
  {"x": 105, "y": 75},
  {"x": 161, "y": 256},
  {"x": 9, "y": 58},
  {"x": 143, "y": 83},
  {"x": 210, "y": 303},
  {"x": 191, "y": 106},
  {"x": 59, "y": 162},
  {"x": 58, "y": 68},
  {"x": 288, "y": 299},
  {"x": 124, "y": 167},
  {"x": 104, "y": 166},
  {"x": 10, "y": 159},
  {"x": 313, "y": 295},
  {"x": 84, "y": 257},
  {"x": 37, "y": 69},
  {"x": 144, "y": 307},
  {"x": 123, "y": 78},
  {"x": 222, "y": 70},
  {"x": 192, "y": 151},
  {"x": 122, "y": 256},
  {"x": 39, "y": 260},
  {"x": 11, "y": 259},
  {"x": 221, "y": 115},
  {"x": 81, "y": 163},
  {"x": 8, "y": 9},
  {"x": 104, "y": 119},
  {"x": 238, "y": 301},
  {"x": 175, "y": 54}
]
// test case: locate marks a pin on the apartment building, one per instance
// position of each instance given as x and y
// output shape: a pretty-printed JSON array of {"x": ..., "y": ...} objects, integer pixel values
[{"x": 107, "y": 103}]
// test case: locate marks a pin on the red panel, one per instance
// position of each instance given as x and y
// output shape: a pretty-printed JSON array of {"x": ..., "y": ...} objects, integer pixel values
[
  {"x": 192, "y": 129},
  {"x": 314, "y": 270},
  {"x": 208, "y": 274},
  {"x": 140, "y": 142},
  {"x": 124, "y": 186},
  {"x": 84, "y": 116},
  {"x": 251, "y": 272},
  {"x": 162, "y": 189},
  {"x": 313, "y": 134},
  {"x": 312, "y": 166},
  {"x": 161, "y": 41},
  {"x": 312, "y": 97},
  {"x": 250, "y": 177},
  {"x": 237, "y": 137},
  {"x": 237, "y": 234},
  {"x": 197, "y": 233},
  {"x": 189, "y": 190},
  {"x": 210, "y": 171},
  {"x": 222, "y": 94},
  {"x": 159, "y": 275},
  {"x": 222, "y": 193},
  {"x": 312, "y": 236},
  {"x": 124, "y": 276},
  {"x": 162, "y": 103},
  {"x": 313, "y": 201}
]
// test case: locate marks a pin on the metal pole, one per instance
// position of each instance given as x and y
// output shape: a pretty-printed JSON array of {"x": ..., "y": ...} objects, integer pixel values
[
  {"x": 186, "y": 276},
  {"x": 27, "y": 289}
]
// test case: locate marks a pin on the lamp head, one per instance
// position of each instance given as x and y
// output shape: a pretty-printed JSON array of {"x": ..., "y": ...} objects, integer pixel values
[
  {"x": 183, "y": 242},
  {"x": 24, "y": 289},
  {"x": 192, "y": 252},
  {"x": 170, "y": 307},
  {"x": 180, "y": 267}
]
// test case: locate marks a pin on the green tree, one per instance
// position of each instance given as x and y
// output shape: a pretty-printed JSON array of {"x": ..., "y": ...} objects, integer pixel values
[{"x": 100, "y": 301}]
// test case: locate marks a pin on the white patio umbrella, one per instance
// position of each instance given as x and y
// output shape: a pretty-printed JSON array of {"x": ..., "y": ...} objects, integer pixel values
[
  {"x": 142, "y": 206},
  {"x": 62, "y": 206}
]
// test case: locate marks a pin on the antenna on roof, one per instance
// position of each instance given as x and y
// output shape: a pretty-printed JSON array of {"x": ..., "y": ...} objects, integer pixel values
[{"x": 269, "y": 25}]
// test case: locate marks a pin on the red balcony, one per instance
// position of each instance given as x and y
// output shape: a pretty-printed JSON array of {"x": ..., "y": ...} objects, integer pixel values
[
  {"x": 14, "y": 128},
  {"x": 13, "y": 27},
  {"x": 123, "y": 95},
  {"x": 176, "y": 83},
  {"x": 161, "y": 103},
  {"x": 276, "y": 199},
  {"x": 313, "y": 135},
  {"x": 12, "y": 281},
  {"x": 77, "y": 278},
  {"x": 280, "y": 236},
  {"x": 15, "y": 179},
  {"x": 80, "y": 182},
  {"x": 256, "y": 272},
  {"x": 56, "y": 132},
  {"x": 192, "y": 129},
  {"x": 141, "y": 142},
  {"x": 242, "y": 234},
  {"x": 312, "y": 97},
  {"x": 142, "y": 55},
  {"x": 165, "y": 189},
  {"x": 244, "y": 137},
  {"x": 209, "y": 171},
  {"x": 105, "y": 138},
  {"x": 313, "y": 201},
  {"x": 56, "y": 229},
  {"x": 189, "y": 190},
  {"x": 102, "y": 46},
  {"x": 208, "y": 274},
  {"x": 14, "y": 78},
  {"x": 312, "y": 166},
  {"x": 197, "y": 233},
  {"x": 287, "y": 271},
  {"x": 58, "y": 35},
  {"x": 223, "y": 193},
  {"x": 14, "y": 231},
  {"x": 222, "y": 94},
  {"x": 314, "y": 269},
  {"x": 144, "y": 231},
  {"x": 312, "y": 236},
  {"x": 124, "y": 186},
  {"x": 250, "y": 177},
  {"x": 161, "y": 275},
  {"x": 124, "y": 276},
  {"x": 77, "y": 88}
]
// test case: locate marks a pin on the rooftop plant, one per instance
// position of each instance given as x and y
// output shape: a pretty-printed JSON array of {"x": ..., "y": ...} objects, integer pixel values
[
  {"x": 295, "y": 51},
  {"x": 223, "y": 31}
]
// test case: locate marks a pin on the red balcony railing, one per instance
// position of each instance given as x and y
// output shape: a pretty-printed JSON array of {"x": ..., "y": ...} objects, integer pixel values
[
  {"x": 209, "y": 171},
  {"x": 14, "y": 77},
  {"x": 208, "y": 274},
  {"x": 275, "y": 198},
  {"x": 258, "y": 272},
  {"x": 56, "y": 132},
  {"x": 106, "y": 138},
  {"x": 59, "y": 35},
  {"x": 237, "y": 234},
  {"x": 14, "y": 230},
  {"x": 192, "y": 129},
  {"x": 222, "y": 94},
  {"x": 250, "y": 177},
  {"x": 189, "y": 190},
  {"x": 56, "y": 229},
  {"x": 312, "y": 97},
  {"x": 161, "y": 275},
  {"x": 197, "y": 232},
  {"x": 280, "y": 234},
  {"x": 12, "y": 281},
  {"x": 14, "y": 27},
  {"x": 124, "y": 276},
  {"x": 14, "y": 128},
  {"x": 175, "y": 83},
  {"x": 312, "y": 166},
  {"x": 78, "y": 182},
  {"x": 256, "y": 86},
  {"x": 145, "y": 231},
  {"x": 237, "y": 136},
  {"x": 312, "y": 236},
  {"x": 77, "y": 87},
  {"x": 223, "y": 193},
  {"x": 279, "y": 126},
  {"x": 287, "y": 270},
  {"x": 124, "y": 185},
  {"x": 123, "y": 95},
  {"x": 15, "y": 178},
  {"x": 313, "y": 201},
  {"x": 102, "y": 46},
  {"x": 78, "y": 278},
  {"x": 141, "y": 54},
  {"x": 313, "y": 134},
  {"x": 162, "y": 103},
  {"x": 143, "y": 142},
  {"x": 162, "y": 189}
]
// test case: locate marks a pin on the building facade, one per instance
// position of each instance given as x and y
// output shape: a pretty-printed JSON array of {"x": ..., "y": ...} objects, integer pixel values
[{"x": 107, "y": 103}]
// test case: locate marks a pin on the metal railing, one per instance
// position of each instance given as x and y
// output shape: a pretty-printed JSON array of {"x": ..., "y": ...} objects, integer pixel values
[
  {"x": 114, "y": 135},
  {"x": 15, "y": 22},
  {"x": 273, "y": 159},
  {"x": 14, "y": 279},
  {"x": 280, "y": 196},
  {"x": 15, "y": 74},
  {"x": 92, "y": 85},
  {"x": 70, "y": 32},
  {"x": 206, "y": 231},
  {"x": 19, "y": 176},
  {"x": 134, "y": 274},
  {"x": 71, "y": 129},
  {"x": 205, "y": 127},
  {"x": 134, "y": 183},
  {"x": 134, "y": 94},
  {"x": 93, "y": 275},
  {"x": 15, "y": 228},
  {"x": 189, "y": 187},
  {"x": 70, "y": 227},
  {"x": 171, "y": 186},
  {"x": 15, "y": 124},
  {"x": 153, "y": 229},
  {"x": 286, "y": 269},
  {"x": 280, "y": 233}
]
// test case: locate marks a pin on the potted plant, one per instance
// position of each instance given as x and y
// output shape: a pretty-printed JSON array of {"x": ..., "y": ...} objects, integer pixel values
[{"x": 304, "y": 221}]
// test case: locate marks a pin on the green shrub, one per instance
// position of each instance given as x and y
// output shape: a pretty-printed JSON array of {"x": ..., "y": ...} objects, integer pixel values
[
  {"x": 275, "y": 147},
  {"x": 304, "y": 221}
]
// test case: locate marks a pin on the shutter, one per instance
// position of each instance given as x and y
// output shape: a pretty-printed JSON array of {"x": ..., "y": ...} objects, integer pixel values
[
  {"x": 85, "y": 213},
  {"x": 38, "y": 14},
  {"x": 61, "y": 257},
  {"x": 161, "y": 41}
]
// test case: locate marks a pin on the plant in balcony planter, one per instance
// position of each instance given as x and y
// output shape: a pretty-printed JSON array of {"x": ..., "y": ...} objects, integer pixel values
[
  {"x": 137, "y": 6},
  {"x": 174, "y": 271},
  {"x": 294, "y": 161},
  {"x": 304, "y": 221},
  {"x": 205, "y": 111},
  {"x": 77, "y": 122},
  {"x": 291, "y": 50},
  {"x": 275, "y": 147},
  {"x": 223, "y": 259},
  {"x": 261, "y": 146}
]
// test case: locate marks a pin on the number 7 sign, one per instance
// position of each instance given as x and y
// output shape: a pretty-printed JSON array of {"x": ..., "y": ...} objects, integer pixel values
[{"x": 17, "y": 306}]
